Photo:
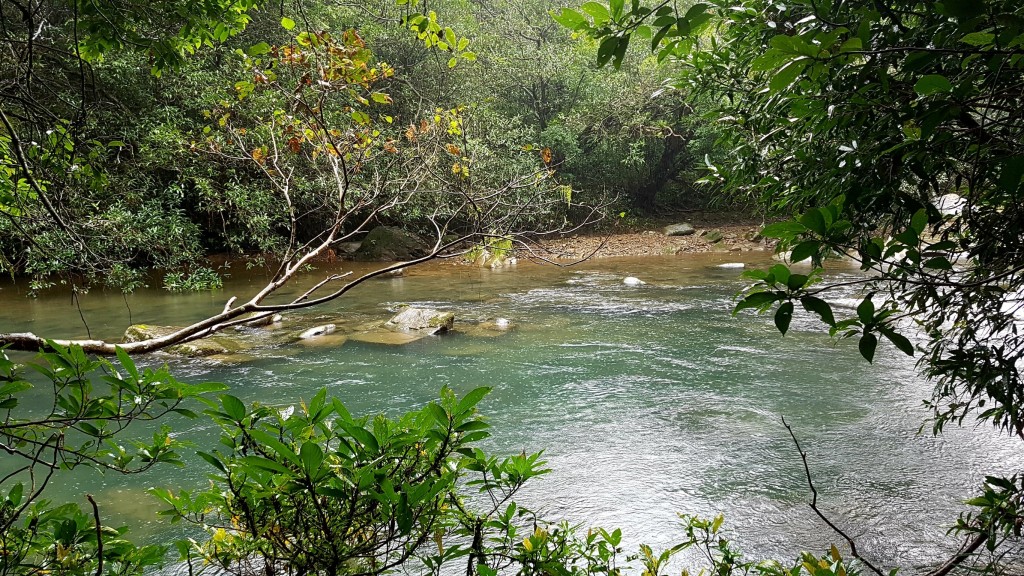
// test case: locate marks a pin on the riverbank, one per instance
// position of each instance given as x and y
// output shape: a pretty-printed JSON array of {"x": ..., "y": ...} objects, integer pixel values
[{"x": 712, "y": 232}]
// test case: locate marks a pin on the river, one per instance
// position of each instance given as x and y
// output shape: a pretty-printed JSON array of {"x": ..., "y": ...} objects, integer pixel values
[{"x": 649, "y": 401}]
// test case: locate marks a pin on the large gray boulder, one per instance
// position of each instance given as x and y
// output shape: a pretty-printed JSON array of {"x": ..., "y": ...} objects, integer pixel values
[
  {"x": 389, "y": 243},
  {"x": 681, "y": 229},
  {"x": 421, "y": 320}
]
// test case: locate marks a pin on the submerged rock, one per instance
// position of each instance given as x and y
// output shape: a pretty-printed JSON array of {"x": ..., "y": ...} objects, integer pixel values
[
  {"x": 322, "y": 330},
  {"x": 422, "y": 319},
  {"x": 210, "y": 346},
  {"x": 681, "y": 229}
]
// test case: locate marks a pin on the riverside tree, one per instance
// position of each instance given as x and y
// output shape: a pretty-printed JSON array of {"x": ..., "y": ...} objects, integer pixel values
[
  {"x": 306, "y": 118},
  {"x": 893, "y": 131}
]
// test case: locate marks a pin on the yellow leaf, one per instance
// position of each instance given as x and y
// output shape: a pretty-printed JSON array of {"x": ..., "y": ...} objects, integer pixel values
[{"x": 528, "y": 545}]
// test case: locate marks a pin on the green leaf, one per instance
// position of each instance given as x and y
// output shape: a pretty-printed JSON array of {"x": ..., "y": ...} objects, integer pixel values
[
  {"x": 597, "y": 11},
  {"x": 471, "y": 399},
  {"x": 919, "y": 221},
  {"x": 311, "y": 456},
  {"x": 804, "y": 250},
  {"x": 607, "y": 49},
  {"x": 214, "y": 461},
  {"x": 780, "y": 272},
  {"x": 819, "y": 307},
  {"x": 403, "y": 514},
  {"x": 932, "y": 84},
  {"x": 814, "y": 221},
  {"x": 258, "y": 49},
  {"x": 797, "y": 281},
  {"x": 757, "y": 300},
  {"x": 570, "y": 19},
  {"x": 899, "y": 341},
  {"x": 782, "y": 79},
  {"x": 939, "y": 263},
  {"x": 979, "y": 39},
  {"x": 616, "y": 8},
  {"x": 868, "y": 343},
  {"x": 866, "y": 311},
  {"x": 127, "y": 363},
  {"x": 363, "y": 436},
  {"x": 783, "y": 230},
  {"x": 233, "y": 407},
  {"x": 288, "y": 23},
  {"x": 14, "y": 387},
  {"x": 783, "y": 316}
]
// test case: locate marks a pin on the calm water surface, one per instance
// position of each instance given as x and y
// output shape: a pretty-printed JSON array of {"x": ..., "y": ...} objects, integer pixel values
[{"x": 649, "y": 401}]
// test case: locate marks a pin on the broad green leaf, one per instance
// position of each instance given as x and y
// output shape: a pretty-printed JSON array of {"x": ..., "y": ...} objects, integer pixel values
[
  {"x": 363, "y": 436},
  {"x": 783, "y": 230},
  {"x": 868, "y": 343},
  {"x": 786, "y": 75},
  {"x": 287, "y": 23},
  {"x": 471, "y": 399},
  {"x": 819, "y": 307},
  {"x": 899, "y": 341},
  {"x": 757, "y": 300},
  {"x": 780, "y": 272},
  {"x": 570, "y": 19},
  {"x": 932, "y": 84},
  {"x": 783, "y": 316},
  {"x": 233, "y": 407},
  {"x": 866, "y": 311},
  {"x": 919, "y": 221},
  {"x": 814, "y": 221},
  {"x": 979, "y": 39},
  {"x": 804, "y": 250},
  {"x": 597, "y": 11},
  {"x": 214, "y": 461}
]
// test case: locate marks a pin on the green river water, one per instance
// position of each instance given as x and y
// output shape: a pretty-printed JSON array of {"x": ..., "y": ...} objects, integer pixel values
[{"x": 649, "y": 401}]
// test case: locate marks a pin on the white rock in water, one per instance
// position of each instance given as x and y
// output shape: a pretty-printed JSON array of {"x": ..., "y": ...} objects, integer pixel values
[
  {"x": 633, "y": 281},
  {"x": 503, "y": 323},
  {"x": 732, "y": 265},
  {"x": 318, "y": 331}
]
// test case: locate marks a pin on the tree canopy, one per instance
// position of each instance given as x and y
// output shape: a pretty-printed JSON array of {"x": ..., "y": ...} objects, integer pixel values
[{"x": 892, "y": 131}]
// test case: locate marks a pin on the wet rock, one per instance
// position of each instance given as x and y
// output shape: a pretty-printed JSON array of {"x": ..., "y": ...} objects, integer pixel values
[
  {"x": 387, "y": 337},
  {"x": 681, "y": 229},
  {"x": 633, "y": 281},
  {"x": 209, "y": 346},
  {"x": 422, "y": 320},
  {"x": 140, "y": 332},
  {"x": 732, "y": 265},
  {"x": 714, "y": 236},
  {"x": 388, "y": 243},
  {"x": 322, "y": 330}
]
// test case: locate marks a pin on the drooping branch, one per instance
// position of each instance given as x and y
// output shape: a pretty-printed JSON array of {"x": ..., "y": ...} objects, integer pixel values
[{"x": 814, "y": 504}]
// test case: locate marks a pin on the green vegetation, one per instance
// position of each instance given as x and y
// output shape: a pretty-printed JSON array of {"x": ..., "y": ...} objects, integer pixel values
[
  {"x": 869, "y": 121},
  {"x": 148, "y": 137}
]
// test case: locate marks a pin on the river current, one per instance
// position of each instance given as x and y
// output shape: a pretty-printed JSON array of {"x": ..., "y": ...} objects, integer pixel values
[{"x": 649, "y": 401}]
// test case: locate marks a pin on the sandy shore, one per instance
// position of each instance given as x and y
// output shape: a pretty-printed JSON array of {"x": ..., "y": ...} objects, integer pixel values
[{"x": 713, "y": 233}]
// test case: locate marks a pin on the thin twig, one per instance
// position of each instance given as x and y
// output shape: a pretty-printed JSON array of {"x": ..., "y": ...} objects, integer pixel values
[
  {"x": 99, "y": 534},
  {"x": 814, "y": 503}
]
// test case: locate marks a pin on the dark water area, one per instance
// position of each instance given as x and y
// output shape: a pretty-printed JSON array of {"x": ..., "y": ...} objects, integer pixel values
[{"x": 649, "y": 401}]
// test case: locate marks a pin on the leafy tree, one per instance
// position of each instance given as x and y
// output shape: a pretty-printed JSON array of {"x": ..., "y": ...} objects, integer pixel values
[
  {"x": 95, "y": 405},
  {"x": 893, "y": 130}
]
